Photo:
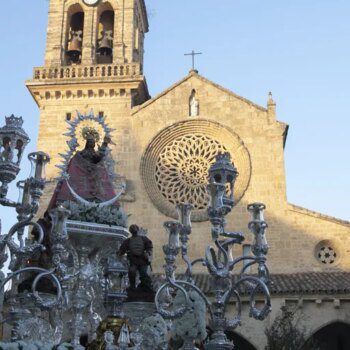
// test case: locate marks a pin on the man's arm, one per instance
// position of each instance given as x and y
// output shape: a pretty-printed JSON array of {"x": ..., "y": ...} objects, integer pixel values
[
  {"x": 148, "y": 244},
  {"x": 123, "y": 248}
]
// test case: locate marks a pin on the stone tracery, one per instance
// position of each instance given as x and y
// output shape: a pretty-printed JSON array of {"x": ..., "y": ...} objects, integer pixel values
[
  {"x": 175, "y": 164},
  {"x": 182, "y": 169}
]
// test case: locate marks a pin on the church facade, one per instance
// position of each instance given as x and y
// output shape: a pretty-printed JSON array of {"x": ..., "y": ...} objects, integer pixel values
[{"x": 164, "y": 146}]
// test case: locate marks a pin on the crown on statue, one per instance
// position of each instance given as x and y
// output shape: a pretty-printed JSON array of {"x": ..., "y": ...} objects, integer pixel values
[
  {"x": 90, "y": 133},
  {"x": 14, "y": 122}
]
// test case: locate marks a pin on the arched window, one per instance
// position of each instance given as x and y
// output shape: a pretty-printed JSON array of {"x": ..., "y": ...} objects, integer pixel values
[
  {"x": 75, "y": 34},
  {"x": 105, "y": 35},
  {"x": 239, "y": 341},
  {"x": 335, "y": 336}
]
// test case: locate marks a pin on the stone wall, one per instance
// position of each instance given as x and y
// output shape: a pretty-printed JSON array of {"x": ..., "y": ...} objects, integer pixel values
[{"x": 293, "y": 232}]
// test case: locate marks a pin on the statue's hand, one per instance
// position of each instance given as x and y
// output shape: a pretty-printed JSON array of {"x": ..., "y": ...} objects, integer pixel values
[{"x": 107, "y": 140}]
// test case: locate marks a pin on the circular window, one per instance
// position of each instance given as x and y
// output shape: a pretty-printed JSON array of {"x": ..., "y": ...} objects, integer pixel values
[
  {"x": 327, "y": 253},
  {"x": 175, "y": 165},
  {"x": 182, "y": 169}
]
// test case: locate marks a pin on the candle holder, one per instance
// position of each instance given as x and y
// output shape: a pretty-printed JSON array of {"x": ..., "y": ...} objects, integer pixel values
[
  {"x": 37, "y": 178},
  {"x": 216, "y": 210},
  {"x": 224, "y": 172},
  {"x": 217, "y": 260}
]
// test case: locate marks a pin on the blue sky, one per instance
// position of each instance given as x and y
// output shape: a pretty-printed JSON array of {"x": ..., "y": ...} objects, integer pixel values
[{"x": 300, "y": 50}]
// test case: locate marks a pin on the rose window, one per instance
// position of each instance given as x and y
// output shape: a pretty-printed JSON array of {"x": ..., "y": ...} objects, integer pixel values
[
  {"x": 182, "y": 169},
  {"x": 327, "y": 255},
  {"x": 174, "y": 167}
]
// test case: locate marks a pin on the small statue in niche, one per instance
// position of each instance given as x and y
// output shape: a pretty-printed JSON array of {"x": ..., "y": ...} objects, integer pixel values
[
  {"x": 139, "y": 251},
  {"x": 194, "y": 105}
]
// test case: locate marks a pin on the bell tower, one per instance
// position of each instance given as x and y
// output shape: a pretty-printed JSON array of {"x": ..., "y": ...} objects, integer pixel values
[
  {"x": 93, "y": 61},
  {"x": 96, "y": 31}
]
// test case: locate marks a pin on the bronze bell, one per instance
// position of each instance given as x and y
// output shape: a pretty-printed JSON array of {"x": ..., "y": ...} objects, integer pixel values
[
  {"x": 105, "y": 46},
  {"x": 75, "y": 46}
]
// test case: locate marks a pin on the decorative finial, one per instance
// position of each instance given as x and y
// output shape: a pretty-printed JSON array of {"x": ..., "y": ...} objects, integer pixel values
[
  {"x": 270, "y": 100},
  {"x": 14, "y": 122},
  {"x": 271, "y": 108}
]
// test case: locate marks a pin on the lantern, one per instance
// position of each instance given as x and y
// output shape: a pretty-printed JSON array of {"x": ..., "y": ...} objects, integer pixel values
[
  {"x": 224, "y": 172},
  {"x": 116, "y": 283},
  {"x": 13, "y": 140}
]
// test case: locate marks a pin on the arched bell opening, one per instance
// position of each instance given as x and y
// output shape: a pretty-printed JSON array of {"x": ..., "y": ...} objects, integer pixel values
[
  {"x": 334, "y": 336},
  {"x": 105, "y": 34},
  {"x": 75, "y": 35}
]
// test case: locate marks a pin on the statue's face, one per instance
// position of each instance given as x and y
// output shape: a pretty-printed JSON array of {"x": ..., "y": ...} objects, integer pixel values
[
  {"x": 109, "y": 337},
  {"x": 90, "y": 143}
]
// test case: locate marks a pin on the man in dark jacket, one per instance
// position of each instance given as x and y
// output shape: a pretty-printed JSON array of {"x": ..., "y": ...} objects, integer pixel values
[{"x": 139, "y": 252}]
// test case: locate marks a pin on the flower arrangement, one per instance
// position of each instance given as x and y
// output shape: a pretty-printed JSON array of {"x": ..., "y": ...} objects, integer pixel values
[
  {"x": 111, "y": 215},
  {"x": 192, "y": 325}
]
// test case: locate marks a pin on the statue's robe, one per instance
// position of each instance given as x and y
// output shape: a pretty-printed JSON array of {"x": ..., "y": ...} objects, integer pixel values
[{"x": 89, "y": 178}]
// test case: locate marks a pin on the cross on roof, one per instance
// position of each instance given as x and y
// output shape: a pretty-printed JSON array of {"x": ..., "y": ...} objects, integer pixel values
[{"x": 193, "y": 54}]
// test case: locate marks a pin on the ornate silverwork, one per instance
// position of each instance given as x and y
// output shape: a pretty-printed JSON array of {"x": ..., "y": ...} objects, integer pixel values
[{"x": 218, "y": 262}]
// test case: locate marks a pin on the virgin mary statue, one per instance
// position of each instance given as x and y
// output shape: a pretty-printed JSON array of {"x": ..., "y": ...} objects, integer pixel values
[{"x": 88, "y": 175}]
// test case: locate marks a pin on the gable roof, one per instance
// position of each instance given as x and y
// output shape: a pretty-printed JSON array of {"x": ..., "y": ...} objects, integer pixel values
[{"x": 194, "y": 73}]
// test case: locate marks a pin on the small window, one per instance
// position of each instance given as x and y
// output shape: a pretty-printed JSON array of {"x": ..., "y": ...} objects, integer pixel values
[
  {"x": 68, "y": 116},
  {"x": 327, "y": 253},
  {"x": 101, "y": 114}
]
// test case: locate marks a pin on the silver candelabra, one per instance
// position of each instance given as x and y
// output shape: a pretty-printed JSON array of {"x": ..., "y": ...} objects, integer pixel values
[
  {"x": 218, "y": 261},
  {"x": 13, "y": 140}
]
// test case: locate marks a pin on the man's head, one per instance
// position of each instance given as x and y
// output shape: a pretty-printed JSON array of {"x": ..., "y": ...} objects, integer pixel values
[{"x": 134, "y": 229}]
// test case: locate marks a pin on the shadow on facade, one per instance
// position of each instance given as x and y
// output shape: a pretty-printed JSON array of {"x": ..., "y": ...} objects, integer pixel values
[
  {"x": 240, "y": 342},
  {"x": 334, "y": 336}
]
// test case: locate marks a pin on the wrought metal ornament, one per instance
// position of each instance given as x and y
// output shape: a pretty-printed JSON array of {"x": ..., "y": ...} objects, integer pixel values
[{"x": 218, "y": 262}]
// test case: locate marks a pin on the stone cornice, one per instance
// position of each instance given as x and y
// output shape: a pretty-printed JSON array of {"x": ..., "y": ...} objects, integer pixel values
[{"x": 315, "y": 214}]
